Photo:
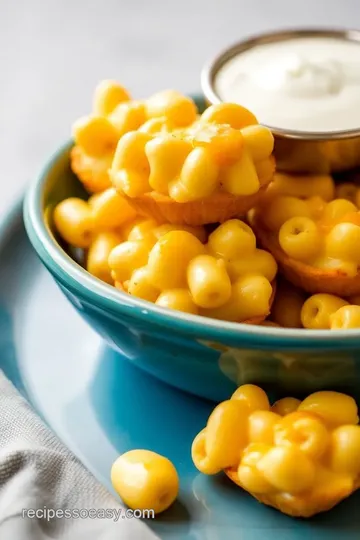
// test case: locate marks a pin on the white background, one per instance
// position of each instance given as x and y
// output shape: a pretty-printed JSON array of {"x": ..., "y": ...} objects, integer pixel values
[{"x": 52, "y": 53}]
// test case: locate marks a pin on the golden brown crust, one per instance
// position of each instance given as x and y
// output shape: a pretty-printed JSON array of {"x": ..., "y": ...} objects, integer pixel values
[
  {"x": 92, "y": 172},
  {"x": 298, "y": 506},
  {"x": 214, "y": 209},
  {"x": 310, "y": 279}
]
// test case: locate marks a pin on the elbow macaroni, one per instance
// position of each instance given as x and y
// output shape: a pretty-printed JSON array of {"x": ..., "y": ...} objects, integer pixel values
[
  {"x": 192, "y": 163},
  {"x": 312, "y": 230},
  {"x": 145, "y": 480},
  {"x": 299, "y": 457},
  {"x": 161, "y": 154},
  {"x": 114, "y": 114},
  {"x": 191, "y": 276},
  {"x": 188, "y": 157},
  {"x": 161, "y": 151},
  {"x": 227, "y": 277}
]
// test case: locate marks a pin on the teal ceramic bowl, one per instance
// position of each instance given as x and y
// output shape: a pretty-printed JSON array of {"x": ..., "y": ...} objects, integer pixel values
[{"x": 198, "y": 355}]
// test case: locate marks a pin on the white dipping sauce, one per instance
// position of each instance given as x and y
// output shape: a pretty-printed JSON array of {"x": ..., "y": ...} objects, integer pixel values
[{"x": 310, "y": 84}]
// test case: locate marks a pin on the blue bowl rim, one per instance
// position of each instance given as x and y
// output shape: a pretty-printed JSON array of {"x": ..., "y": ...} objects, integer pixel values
[{"x": 101, "y": 294}]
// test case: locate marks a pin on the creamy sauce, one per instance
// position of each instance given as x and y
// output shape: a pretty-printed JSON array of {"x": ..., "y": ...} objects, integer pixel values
[{"x": 310, "y": 84}]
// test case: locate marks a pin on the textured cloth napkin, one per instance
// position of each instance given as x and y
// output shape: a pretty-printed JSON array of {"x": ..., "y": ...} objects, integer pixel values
[{"x": 37, "y": 471}]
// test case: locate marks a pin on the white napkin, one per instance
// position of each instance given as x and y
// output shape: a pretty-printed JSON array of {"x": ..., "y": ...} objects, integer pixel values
[{"x": 38, "y": 473}]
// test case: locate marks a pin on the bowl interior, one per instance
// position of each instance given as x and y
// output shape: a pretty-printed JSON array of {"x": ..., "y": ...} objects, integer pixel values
[{"x": 57, "y": 182}]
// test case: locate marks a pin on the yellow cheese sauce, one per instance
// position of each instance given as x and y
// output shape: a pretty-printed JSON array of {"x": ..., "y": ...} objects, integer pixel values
[{"x": 309, "y": 83}]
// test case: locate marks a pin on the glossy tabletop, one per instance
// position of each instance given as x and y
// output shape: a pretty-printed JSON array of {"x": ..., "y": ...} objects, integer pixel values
[{"x": 100, "y": 405}]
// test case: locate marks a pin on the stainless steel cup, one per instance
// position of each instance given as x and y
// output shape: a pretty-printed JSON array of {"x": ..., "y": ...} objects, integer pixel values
[{"x": 296, "y": 151}]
